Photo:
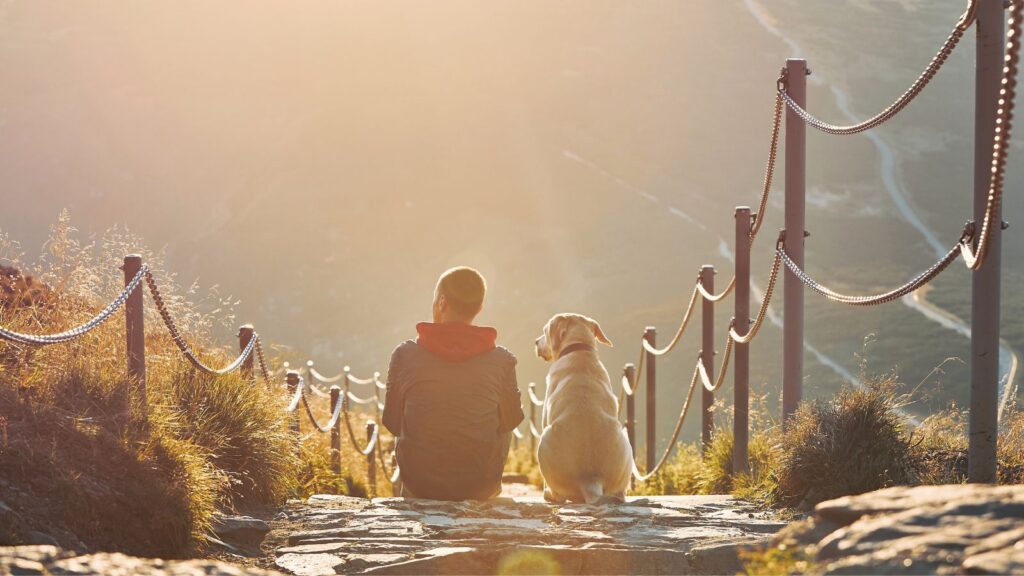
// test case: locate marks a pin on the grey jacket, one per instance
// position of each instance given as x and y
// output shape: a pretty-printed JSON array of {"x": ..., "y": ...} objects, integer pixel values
[{"x": 453, "y": 420}]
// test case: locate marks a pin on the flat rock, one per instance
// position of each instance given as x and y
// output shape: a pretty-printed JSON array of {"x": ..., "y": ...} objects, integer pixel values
[
  {"x": 52, "y": 560},
  {"x": 657, "y": 535},
  {"x": 952, "y": 529}
]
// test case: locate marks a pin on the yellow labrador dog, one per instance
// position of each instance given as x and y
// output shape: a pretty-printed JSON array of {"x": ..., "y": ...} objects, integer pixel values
[{"x": 583, "y": 455}]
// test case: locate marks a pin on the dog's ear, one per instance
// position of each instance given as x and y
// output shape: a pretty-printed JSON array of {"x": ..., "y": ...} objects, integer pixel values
[
  {"x": 597, "y": 332},
  {"x": 556, "y": 333}
]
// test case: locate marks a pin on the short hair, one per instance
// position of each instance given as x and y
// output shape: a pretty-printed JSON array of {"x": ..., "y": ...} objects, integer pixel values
[{"x": 464, "y": 289}]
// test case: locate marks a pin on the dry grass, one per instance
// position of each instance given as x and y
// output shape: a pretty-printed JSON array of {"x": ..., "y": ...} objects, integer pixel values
[
  {"x": 521, "y": 460},
  {"x": 693, "y": 471},
  {"x": 940, "y": 447},
  {"x": 75, "y": 465}
]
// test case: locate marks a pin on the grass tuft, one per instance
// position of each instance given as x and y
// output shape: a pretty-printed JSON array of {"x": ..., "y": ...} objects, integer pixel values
[{"x": 853, "y": 443}]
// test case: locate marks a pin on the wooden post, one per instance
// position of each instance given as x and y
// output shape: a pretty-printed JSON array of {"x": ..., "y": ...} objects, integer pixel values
[
  {"x": 136, "y": 340},
  {"x": 371, "y": 461},
  {"x": 245, "y": 334},
  {"x": 335, "y": 432},
  {"x": 741, "y": 362},
  {"x": 651, "y": 334},
  {"x": 292, "y": 380},
  {"x": 630, "y": 374},
  {"x": 985, "y": 292},
  {"x": 707, "y": 421},
  {"x": 793, "y": 288}
]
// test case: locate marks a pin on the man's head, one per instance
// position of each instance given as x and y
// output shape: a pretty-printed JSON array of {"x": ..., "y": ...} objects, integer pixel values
[{"x": 459, "y": 295}]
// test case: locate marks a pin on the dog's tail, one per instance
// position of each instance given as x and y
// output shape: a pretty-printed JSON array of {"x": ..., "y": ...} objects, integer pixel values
[{"x": 593, "y": 491}]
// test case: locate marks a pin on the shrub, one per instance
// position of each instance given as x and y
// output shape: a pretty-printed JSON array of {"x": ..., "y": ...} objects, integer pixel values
[{"x": 853, "y": 443}]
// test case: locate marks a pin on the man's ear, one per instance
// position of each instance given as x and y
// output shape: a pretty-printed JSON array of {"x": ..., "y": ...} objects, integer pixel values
[{"x": 598, "y": 333}]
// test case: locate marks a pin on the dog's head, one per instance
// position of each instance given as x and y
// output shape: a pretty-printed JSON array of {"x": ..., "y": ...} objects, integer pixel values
[{"x": 565, "y": 329}]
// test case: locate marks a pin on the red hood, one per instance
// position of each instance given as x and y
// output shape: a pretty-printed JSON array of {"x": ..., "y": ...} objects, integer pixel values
[{"x": 456, "y": 341}]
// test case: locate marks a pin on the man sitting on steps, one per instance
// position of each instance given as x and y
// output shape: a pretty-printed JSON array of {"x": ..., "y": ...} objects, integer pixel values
[{"x": 452, "y": 398}]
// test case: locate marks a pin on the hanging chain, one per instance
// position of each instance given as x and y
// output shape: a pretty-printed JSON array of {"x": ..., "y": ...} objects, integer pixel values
[
  {"x": 78, "y": 331},
  {"x": 180, "y": 342},
  {"x": 906, "y": 98}
]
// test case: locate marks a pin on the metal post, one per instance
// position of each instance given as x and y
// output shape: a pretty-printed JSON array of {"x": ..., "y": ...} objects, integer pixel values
[
  {"x": 651, "y": 334},
  {"x": 741, "y": 362},
  {"x": 985, "y": 293},
  {"x": 292, "y": 380},
  {"x": 371, "y": 461},
  {"x": 136, "y": 340},
  {"x": 335, "y": 432},
  {"x": 707, "y": 420},
  {"x": 793, "y": 311},
  {"x": 630, "y": 375},
  {"x": 533, "y": 419},
  {"x": 396, "y": 486},
  {"x": 245, "y": 334}
]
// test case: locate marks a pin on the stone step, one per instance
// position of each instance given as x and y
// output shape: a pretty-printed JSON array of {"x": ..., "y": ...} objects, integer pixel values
[{"x": 654, "y": 535}]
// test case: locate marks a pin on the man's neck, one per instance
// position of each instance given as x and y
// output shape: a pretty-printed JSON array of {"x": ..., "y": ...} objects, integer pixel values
[{"x": 444, "y": 320}]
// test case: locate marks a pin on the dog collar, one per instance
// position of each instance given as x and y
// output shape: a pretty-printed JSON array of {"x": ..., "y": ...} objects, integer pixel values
[{"x": 575, "y": 348}]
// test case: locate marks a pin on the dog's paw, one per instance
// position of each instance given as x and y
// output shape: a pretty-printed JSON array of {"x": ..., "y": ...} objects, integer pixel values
[{"x": 550, "y": 496}]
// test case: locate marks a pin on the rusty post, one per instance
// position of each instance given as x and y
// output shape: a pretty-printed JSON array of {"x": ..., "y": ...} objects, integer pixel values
[
  {"x": 245, "y": 335},
  {"x": 292, "y": 380},
  {"x": 741, "y": 362},
  {"x": 629, "y": 373},
  {"x": 335, "y": 432},
  {"x": 793, "y": 288},
  {"x": 371, "y": 461},
  {"x": 651, "y": 334},
  {"x": 136, "y": 340},
  {"x": 707, "y": 356},
  {"x": 985, "y": 282}
]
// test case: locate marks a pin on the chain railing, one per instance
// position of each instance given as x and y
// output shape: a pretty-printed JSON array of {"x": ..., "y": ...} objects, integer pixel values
[
  {"x": 82, "y": 329},
  {"x": 373, "y": 450}
]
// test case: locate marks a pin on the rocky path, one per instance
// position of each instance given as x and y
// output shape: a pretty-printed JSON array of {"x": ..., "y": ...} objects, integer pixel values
[{"x": 657, "y": 535}]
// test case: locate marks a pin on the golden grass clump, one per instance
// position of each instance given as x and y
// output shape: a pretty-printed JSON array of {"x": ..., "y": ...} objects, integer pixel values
[{"x": 853, "y": 443}]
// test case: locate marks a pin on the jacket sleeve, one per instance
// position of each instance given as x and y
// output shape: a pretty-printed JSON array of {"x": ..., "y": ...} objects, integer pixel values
[
  {"x": 510, "y": 409},
  {"x": 394, "y": 397}
]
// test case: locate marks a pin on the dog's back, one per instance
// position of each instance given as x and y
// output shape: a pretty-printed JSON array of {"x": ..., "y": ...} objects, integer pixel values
[{"x": 583, "y": 455}]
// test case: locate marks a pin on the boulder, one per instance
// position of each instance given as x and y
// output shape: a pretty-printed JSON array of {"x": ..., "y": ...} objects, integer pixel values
[
  {"x": 908, "y": 530},
  {"x": 240, "y": 531}
]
